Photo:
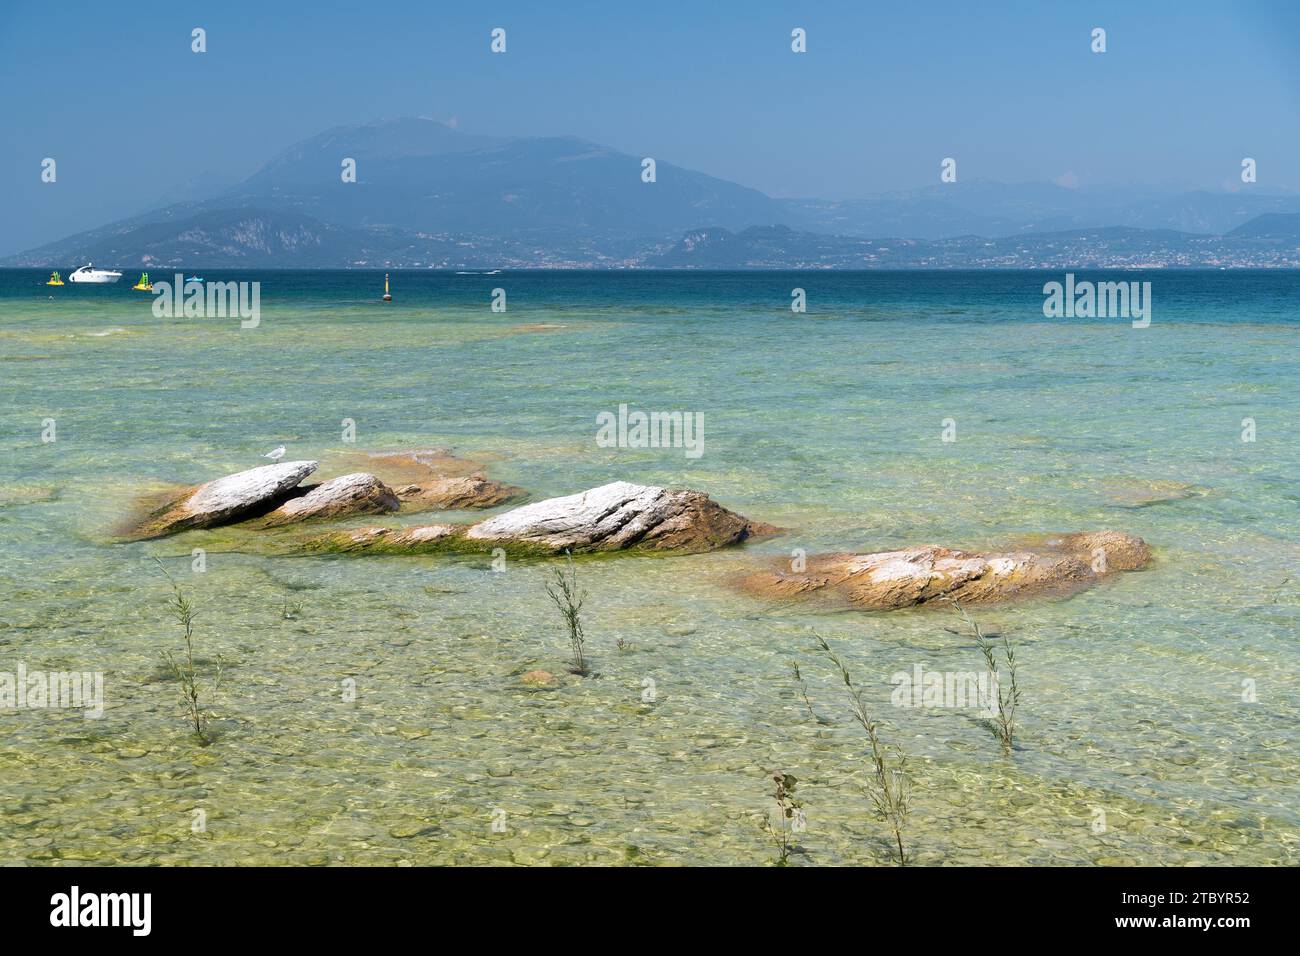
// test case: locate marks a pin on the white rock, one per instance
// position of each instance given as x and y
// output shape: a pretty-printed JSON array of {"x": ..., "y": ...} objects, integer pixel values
[
  {"x": 226, "y": 499},
  {"x": 621, "y": 515},
  {"x": 355, "y": 494}
]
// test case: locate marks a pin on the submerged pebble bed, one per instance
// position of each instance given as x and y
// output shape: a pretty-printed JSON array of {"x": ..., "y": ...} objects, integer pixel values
[{"x": 826, "y": 424}]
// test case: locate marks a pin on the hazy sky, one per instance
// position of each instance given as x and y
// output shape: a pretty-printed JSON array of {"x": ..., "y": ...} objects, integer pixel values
[{"x": 1012, "y": 90}]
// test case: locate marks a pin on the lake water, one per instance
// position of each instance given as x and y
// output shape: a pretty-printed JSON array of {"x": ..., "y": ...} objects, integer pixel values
[{"x": 1158, "y": 720}]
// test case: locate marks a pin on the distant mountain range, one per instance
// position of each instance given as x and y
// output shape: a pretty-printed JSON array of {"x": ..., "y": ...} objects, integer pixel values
[
  {"x": 1264, "y": 242},
  {"x": 429, "y": 196},
  {"x": 998, "y": 209}
]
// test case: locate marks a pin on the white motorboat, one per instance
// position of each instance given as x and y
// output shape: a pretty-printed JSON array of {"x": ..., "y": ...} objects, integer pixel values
[{"x": 88, "y": 273}]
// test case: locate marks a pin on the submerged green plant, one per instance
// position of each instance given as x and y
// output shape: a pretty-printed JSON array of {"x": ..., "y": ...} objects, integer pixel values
[
  {"x": 568, "y": 599},
  {"x": 193, "y": 692},
  {"x": 789, "y": 815},
  {"x": 803, "y": 691},
  {"x": 1002, "y": 724},
  {"x": 890, "y": 787}
]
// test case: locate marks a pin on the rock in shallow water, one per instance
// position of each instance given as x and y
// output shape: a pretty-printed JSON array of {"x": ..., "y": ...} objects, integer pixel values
[
  {"x": 1146, "y": 494},
  {"x": 887, "y": 580},
  {"x": 619, "y": 516},
  {"x": 614, "y": 517},
  {"x": 455, "y": 492},
  {"x": 355, "y": 494},
  {"x": 429, "y": 537},
  {"x": 224, "y": 500},
  {"x": 1122, "y": 552}
]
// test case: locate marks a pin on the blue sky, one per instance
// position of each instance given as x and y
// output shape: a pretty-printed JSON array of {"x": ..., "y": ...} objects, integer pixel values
[{"x": 1012, "y": 90}]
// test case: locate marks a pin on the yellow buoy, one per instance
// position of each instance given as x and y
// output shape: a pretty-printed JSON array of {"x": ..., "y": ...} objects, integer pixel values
[
  {"x": 388, "y": 296},
  {"x": 54, "y": 279}
]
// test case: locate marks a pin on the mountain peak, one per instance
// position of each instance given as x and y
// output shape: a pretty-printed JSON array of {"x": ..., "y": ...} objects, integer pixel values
[{"x": 1271, "y": 225}]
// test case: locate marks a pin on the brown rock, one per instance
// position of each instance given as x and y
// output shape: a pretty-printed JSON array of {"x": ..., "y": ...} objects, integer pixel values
[
  {"x": 415, "y": 466},
  {"x": 451, "y": 493},
  {"x": 893, "y": 579},
  {"x": 1122, "y": 552},
  {"x": 355, "y": 494},
  {"x": 538, "y": 678}
]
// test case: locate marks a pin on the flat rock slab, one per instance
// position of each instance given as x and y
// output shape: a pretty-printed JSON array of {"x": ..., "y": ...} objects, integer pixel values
[
  {"x": 615, "y": 517},
  {"x": 887, "y": 580},
  {"x": 232, "y": 498},
  {"x": 415, "y": 465},
  {"x": 427, "y": 479},
  {"x": 24, "y": 494},
  {"x": 342, "y": 497},
  {"x": 415, "y": 540},
  {"x": 1147, "y": 494},
  {"x": 454, "y": 493}
]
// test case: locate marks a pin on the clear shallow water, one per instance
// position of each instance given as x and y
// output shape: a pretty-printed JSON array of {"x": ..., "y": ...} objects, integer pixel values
[{"x": 826, "y": 423}]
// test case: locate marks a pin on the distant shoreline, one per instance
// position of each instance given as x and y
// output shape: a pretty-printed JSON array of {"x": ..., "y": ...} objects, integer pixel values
[{"x": 684, "y": 270}]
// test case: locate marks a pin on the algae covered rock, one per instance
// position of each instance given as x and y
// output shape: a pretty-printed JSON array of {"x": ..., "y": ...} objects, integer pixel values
[{"x": 414, "y": 540}]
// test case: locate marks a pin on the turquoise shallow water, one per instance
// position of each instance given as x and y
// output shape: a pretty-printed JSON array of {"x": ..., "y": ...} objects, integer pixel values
[{"x": 826, "y": 423}]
